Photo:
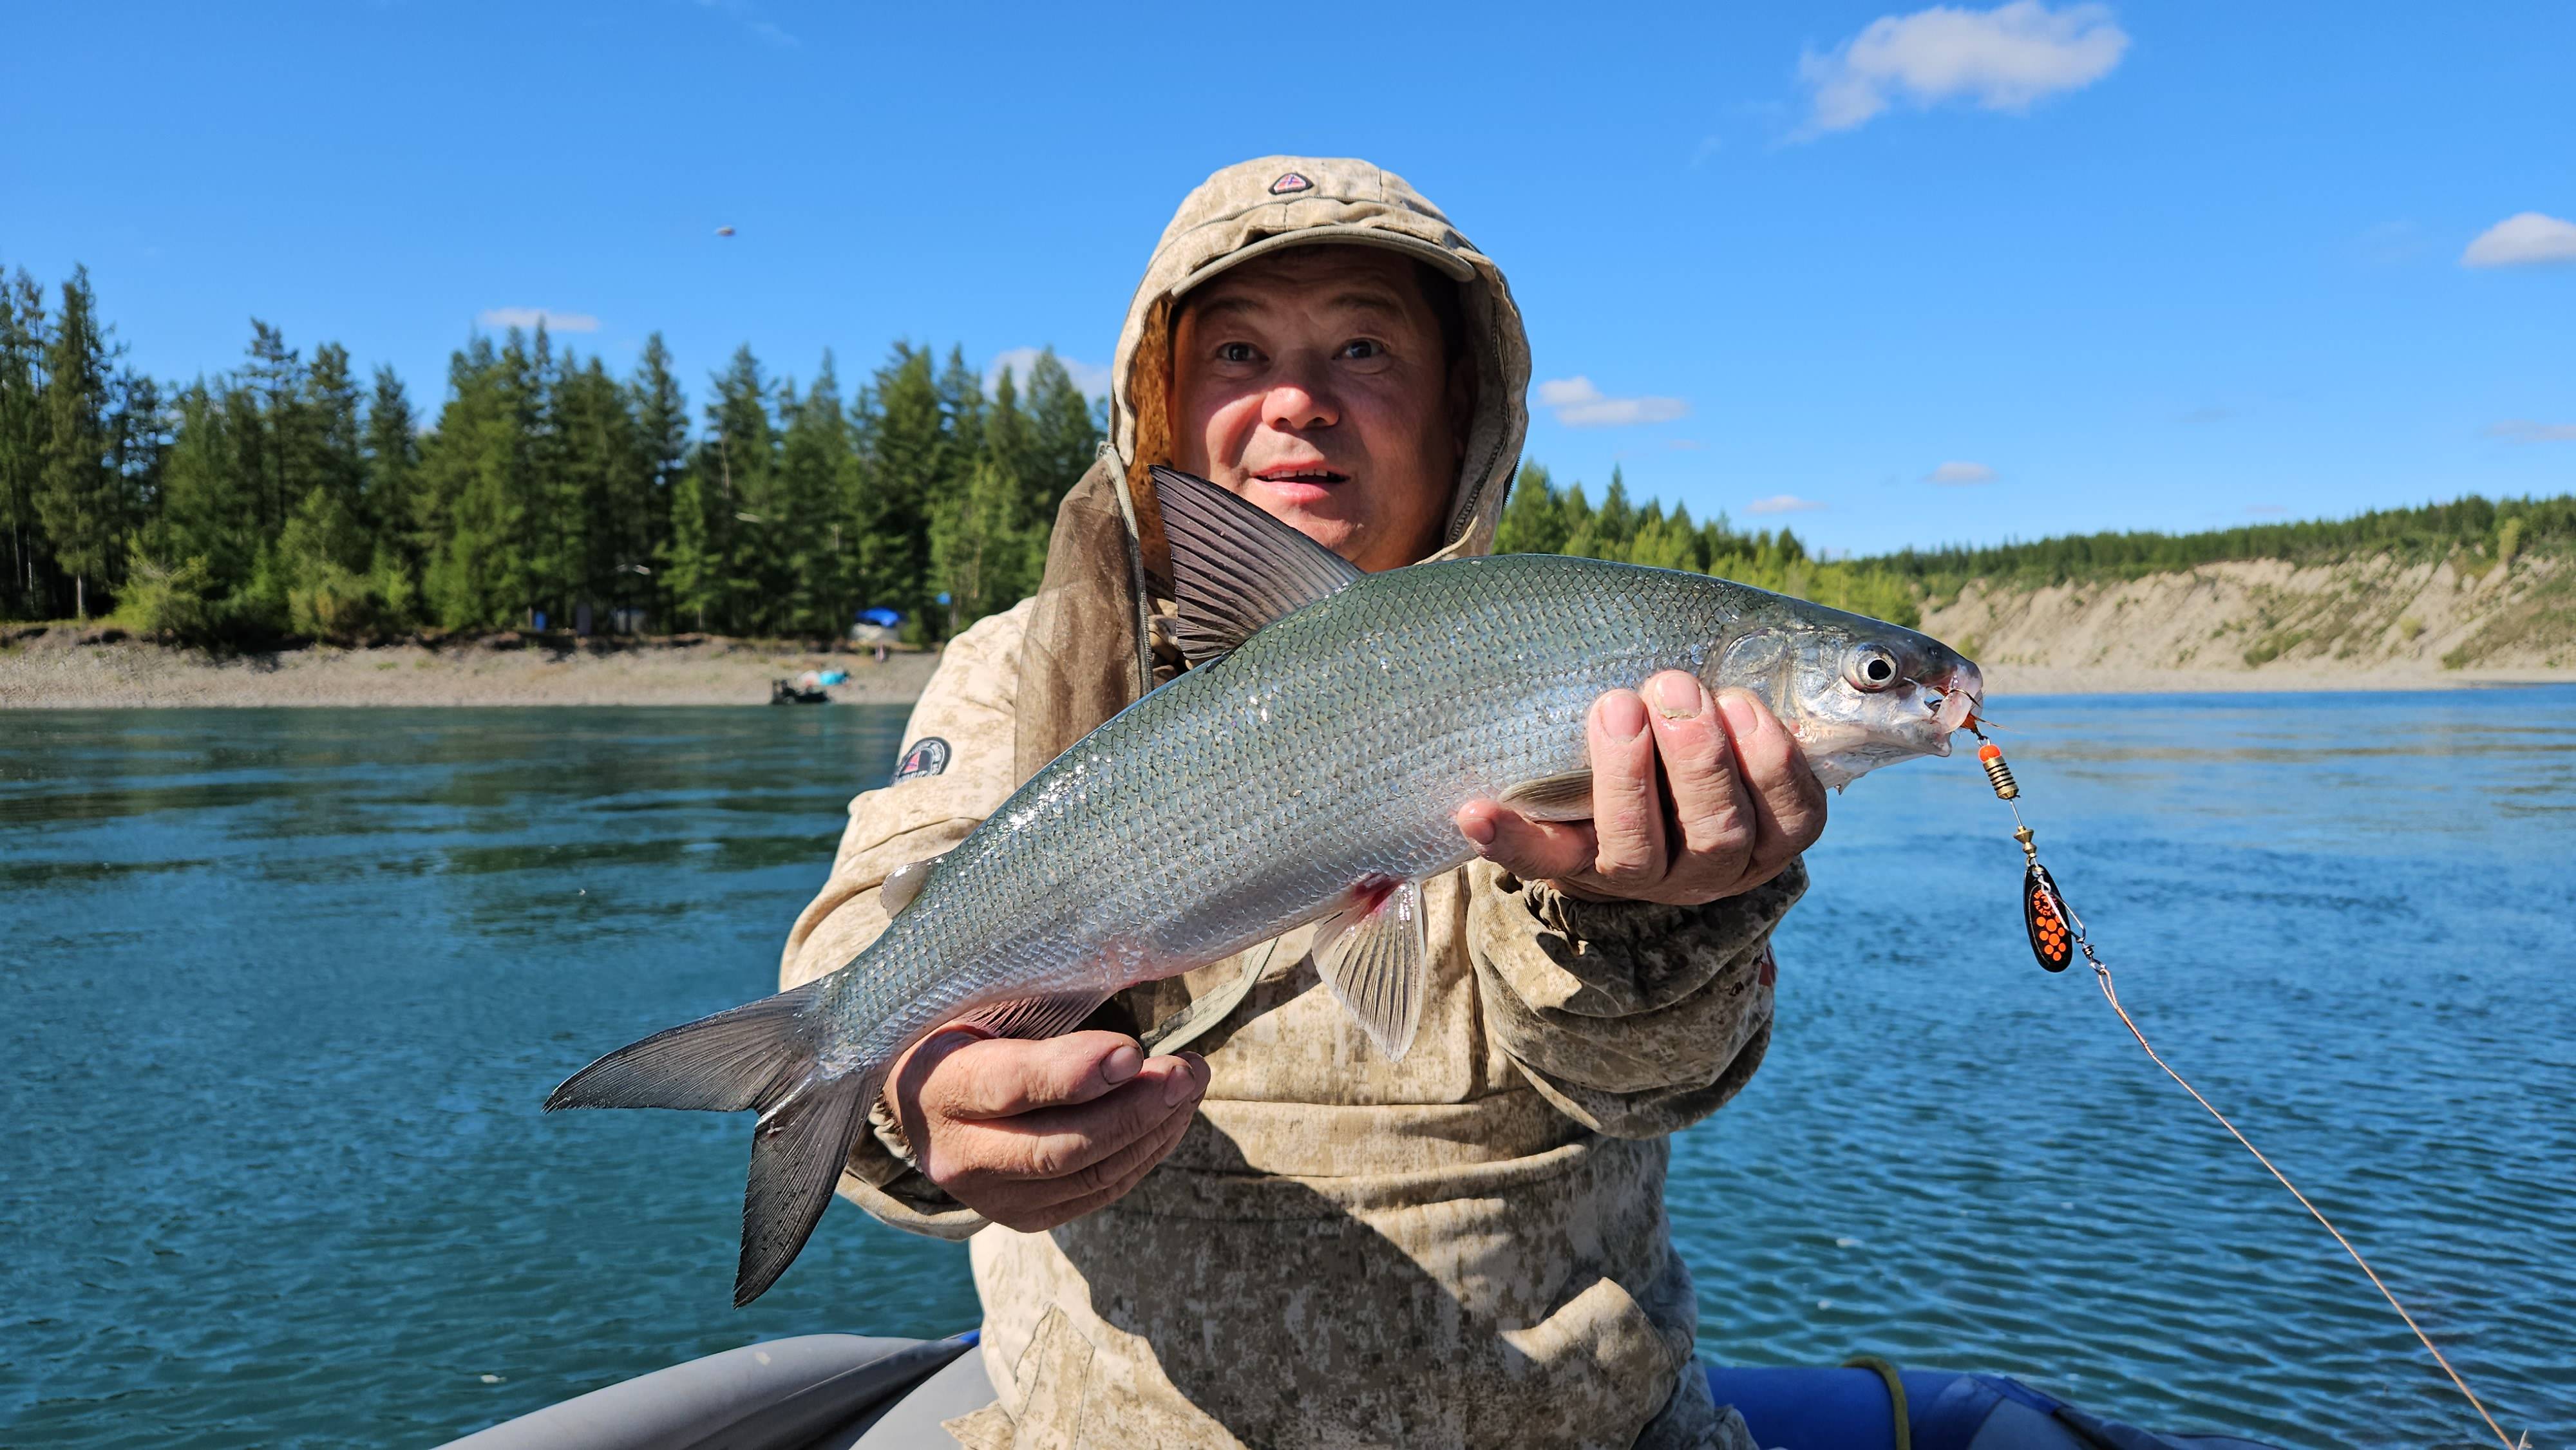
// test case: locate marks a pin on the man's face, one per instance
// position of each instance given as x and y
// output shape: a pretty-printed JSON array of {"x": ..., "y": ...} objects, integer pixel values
[{"x": 1312, "y": 382}]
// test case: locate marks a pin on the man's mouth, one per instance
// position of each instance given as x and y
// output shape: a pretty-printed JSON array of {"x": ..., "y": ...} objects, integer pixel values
[{"x": 1310, "y": 475}]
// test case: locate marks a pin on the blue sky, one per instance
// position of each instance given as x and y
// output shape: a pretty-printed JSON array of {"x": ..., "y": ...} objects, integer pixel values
[{"x": 2123, "y": 266}]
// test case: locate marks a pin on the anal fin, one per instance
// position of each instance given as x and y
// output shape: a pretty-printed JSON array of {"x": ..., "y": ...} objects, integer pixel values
[
  {"x": 1033, "y": 1017},
  {"x": 1375, "y": 956},
  {"x": 1566, "y": 797}
]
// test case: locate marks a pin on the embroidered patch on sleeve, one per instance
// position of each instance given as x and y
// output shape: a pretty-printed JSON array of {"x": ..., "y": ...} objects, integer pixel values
[{"x": 928, "y": 756}]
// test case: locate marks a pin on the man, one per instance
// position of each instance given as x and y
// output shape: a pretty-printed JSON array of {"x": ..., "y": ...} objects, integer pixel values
[{"x": 1276, "y": 1236}]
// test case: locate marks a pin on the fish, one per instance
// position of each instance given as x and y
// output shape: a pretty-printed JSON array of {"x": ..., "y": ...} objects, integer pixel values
[{"x": 1307, "y": 767}]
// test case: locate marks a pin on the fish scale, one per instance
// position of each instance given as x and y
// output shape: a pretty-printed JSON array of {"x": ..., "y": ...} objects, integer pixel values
[
  {"x": 1298, "y": 765},
  {"x": 1309, "y": 768}
]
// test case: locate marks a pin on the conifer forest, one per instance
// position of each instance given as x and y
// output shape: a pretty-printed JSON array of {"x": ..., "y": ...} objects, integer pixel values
[{"x": 292, "y": 498}]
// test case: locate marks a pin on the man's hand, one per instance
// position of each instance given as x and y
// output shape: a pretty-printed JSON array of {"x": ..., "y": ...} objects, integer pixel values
[
  {"x": 1036, "y": 1134},
  {"x": 1735, "y": 805}
]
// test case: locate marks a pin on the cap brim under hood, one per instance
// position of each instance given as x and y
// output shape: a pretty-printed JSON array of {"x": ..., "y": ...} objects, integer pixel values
[{"x": 1087, "y": 652}]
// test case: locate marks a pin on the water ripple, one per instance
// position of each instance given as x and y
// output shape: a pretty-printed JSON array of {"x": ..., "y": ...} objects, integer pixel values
[{"x": 341, "y": 956}]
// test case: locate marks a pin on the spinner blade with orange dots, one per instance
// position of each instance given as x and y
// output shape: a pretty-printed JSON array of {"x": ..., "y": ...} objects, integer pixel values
[{"x": 2043, "y": 909}]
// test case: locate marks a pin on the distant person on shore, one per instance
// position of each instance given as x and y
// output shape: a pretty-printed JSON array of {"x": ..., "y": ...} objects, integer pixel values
[{"x": 1219, "y": 1216}]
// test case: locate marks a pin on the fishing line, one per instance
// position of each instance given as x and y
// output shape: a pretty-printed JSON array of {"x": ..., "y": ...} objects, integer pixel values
[{"x": 2057, "y": 934}]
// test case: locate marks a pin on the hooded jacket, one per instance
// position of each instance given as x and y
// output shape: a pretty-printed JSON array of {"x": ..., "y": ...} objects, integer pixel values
[{"x": 1467, "y": 1247}]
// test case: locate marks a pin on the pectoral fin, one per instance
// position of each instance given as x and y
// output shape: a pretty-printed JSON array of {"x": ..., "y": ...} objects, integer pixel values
[
  {"x": 1566, "y": 797},
  {"x": 1375, "y": 956},
  {"x": 1035, "y": 1017}
]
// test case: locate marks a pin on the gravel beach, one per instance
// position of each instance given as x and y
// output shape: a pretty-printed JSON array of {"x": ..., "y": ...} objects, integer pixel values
[
  {"x": 60, "y": 667},
  {"x": 66, "y": 668}
]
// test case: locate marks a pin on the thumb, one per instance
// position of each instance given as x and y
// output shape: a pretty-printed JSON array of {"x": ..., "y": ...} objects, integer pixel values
[
  {"x": 1003, "y": 1077},
  {"x": 1531, "y": 850}
]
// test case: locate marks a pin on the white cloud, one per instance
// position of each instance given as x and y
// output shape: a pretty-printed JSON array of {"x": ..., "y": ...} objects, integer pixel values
[
  {"x": 1578, "y": 404},
  {"x": 1961, "y": 474},
  {"x": 749, "y": 15},
  {"x": 546, "y": 317},
  {"x": 1783, "y": 503},
  {"x": 2001, "y": 59},
  {"x": 2523, "y": 430},
  {"x": 2525, "y": 239},
  {"x": 1091, "y": 378}
]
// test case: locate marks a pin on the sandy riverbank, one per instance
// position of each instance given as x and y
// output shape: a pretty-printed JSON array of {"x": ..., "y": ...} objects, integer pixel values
[
  {"x": 75, "y": 670},
  {"x": 2006, "y": 680},
  {"x": 80, "y": 670}
]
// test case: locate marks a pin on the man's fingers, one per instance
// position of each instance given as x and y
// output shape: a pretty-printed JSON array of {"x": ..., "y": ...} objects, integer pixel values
[
  {"x": 1788, "y": 800},
  {"x": 1040, "y": 1217},
  {"x": 1056, "y": 1143},
  {"x": 1627, "y": 806},
  {"x": 1532, "y": 850},
  {"x": 1710, "y": 805},
  {"x": 1004, "y": 1077},
  {"x": 1048, "y": 1204}
]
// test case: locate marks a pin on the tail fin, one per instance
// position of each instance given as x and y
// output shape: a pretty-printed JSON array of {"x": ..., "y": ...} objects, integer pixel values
[{"x": 762, "y": 1055}]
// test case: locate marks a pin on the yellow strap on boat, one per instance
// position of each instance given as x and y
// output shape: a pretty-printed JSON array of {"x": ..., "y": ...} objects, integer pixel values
[{"x": 1895, "y": 1394}]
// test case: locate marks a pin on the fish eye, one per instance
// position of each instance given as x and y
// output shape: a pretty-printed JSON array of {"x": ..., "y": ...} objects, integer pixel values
[{"x": 1870, "y": 667}]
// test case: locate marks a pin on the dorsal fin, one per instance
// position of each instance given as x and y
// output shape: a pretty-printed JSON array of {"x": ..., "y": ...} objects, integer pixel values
[{"x": 1235, "y": 568}]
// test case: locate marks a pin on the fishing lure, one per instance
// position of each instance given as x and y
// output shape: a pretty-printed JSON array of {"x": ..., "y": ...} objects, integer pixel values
[{"x": 2057, "y": 934}]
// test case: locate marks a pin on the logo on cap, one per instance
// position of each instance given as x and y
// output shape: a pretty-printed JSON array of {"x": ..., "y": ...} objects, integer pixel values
[{"x": 1288, "y": 182}]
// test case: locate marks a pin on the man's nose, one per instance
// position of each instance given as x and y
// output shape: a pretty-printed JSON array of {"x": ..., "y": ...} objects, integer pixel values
[{"x": 1301, "y": 396}]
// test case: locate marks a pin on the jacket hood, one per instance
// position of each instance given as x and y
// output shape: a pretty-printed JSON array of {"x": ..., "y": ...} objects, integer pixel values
[
  {"x": 1090, "y": 646},
  {"x": 1260, "y": 206}
]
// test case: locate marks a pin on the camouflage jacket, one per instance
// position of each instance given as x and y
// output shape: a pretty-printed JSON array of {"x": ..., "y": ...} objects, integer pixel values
[{"x": 1468, "y": 1247}]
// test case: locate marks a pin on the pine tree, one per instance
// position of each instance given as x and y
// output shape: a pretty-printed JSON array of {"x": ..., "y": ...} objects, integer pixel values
[
  {"x": 1533, "y": 521},
  {"x": 1574, "y": 513},
  {"x": 1010, "y": 442},
  {"x": 695, "y": 571},
  {"x": 980, "y": 544},
  {"x": 737, "y": 466},
  {"x": 78, "y": 498},
  {"x": 906, "y": 450},
  {"x": 394, "y": 505},
  {"x": 1065, "y": 431},
  {"x": 22, "y": 439},
  {"x": 662, "y": 440},
  {"x": 961, "y": 411},
  {"x": 474, "y": 469},
  {"x": 332, "y": 436},
  {"x": 278, "y": 447},
  {"x": 1616, "y": 523},
  {"x": 814, "y": 465}
]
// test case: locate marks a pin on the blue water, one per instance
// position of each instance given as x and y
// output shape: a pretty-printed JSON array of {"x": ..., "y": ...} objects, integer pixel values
[{"x": 281, "y": 991}]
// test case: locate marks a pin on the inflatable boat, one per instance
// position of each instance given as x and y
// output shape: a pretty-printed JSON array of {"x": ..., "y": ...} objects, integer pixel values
[{"x": 856, "y": 1392}]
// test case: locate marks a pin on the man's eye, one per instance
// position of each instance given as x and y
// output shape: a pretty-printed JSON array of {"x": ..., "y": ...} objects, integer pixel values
[
  {"x": 1236, "y": 352},
  {"x": 1362, "y": 348}
]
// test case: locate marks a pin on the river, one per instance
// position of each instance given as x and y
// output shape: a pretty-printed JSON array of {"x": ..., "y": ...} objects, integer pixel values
[{"x": 282, "y": 990}]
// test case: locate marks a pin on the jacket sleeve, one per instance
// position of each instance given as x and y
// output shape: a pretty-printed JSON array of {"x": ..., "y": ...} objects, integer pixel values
[
  {"x": 957, "y": 768},
  {"x": 1634, "y": 1018}
]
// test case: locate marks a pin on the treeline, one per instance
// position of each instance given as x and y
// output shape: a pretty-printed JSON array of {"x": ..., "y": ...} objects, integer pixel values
[
  {"x": 2475, "y": 527},
  {"x": 1541, "y": 518},
  {"x": 290, "y": 497}
]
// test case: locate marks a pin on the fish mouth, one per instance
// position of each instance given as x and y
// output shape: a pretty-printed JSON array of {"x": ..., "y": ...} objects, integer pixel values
[{"x": 1956, "y": 695}]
